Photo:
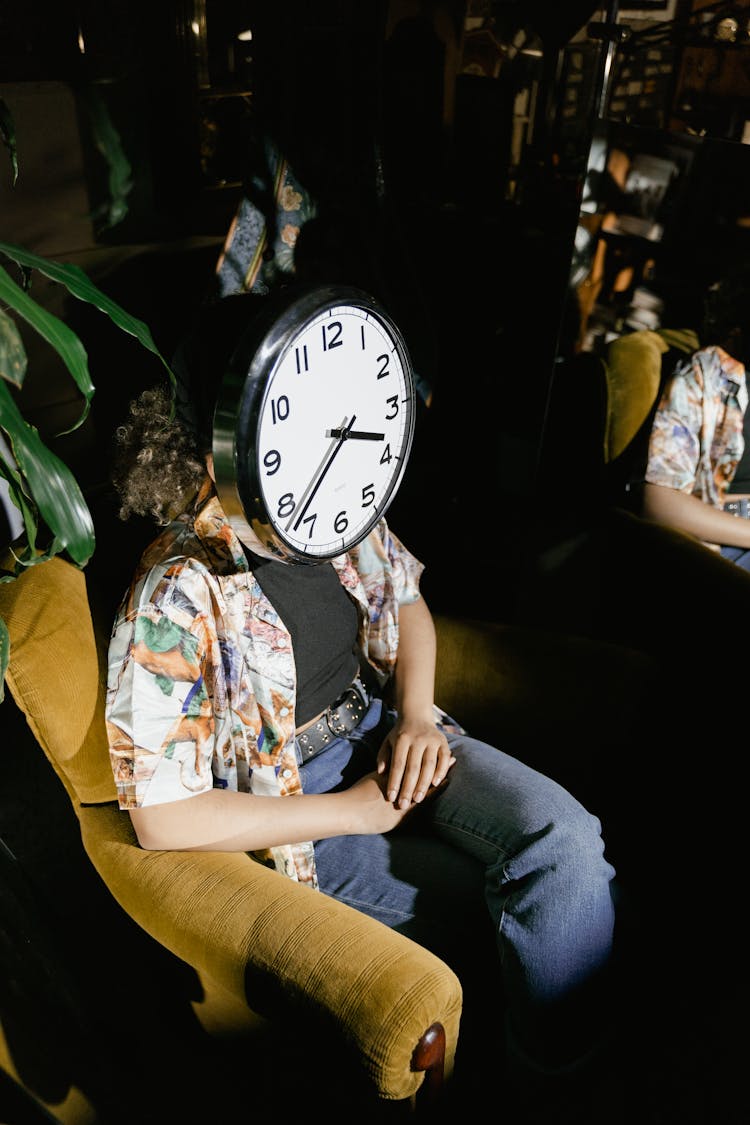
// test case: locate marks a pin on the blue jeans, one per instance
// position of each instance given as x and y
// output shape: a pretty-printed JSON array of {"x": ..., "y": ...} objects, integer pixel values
[
  {"x": 501, "y": 872},
  {"x": 738, "y": 555}
]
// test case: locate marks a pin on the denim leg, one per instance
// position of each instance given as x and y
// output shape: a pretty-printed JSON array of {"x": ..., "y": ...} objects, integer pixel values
[
  {"x": 415, "y": 883},
  {"x": 737, "y": 555},
  {"x": 548, "y": 890},
  {"x": 502, "y": 850},
  {"x": 410, "y": 880}
]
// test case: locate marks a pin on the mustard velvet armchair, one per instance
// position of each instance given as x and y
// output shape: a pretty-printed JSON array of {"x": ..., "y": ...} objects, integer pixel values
[
  {"x": 266, "y": 955},
  {"x": 261, "y": 946}
]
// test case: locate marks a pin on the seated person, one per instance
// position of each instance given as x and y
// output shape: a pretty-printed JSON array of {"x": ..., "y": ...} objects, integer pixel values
[
  {"x": 213, "y": 711},
  {"x": 697, "y": 478}
]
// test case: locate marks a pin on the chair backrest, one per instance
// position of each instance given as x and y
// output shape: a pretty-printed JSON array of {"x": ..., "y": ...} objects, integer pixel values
[
  {"x": 634, "y": 374},
  {"x": 598, "y": 421},
  {"x": 57, "y": 675}
]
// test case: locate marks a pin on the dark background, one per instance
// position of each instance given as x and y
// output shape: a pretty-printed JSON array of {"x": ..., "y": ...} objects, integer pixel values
[{"x": 449, "y": 169}]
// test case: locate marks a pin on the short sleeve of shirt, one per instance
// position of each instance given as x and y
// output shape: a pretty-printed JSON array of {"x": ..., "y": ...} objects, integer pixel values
[
  {"x": 407, "y": 570},
  {"x": 383, "y": 575},
  {"x": 159, "y": 715}
]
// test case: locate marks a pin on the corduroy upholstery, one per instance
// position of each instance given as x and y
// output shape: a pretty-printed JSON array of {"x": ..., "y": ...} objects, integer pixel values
[
  {"x": 633, "y": 377},
  {"x": 265, "y": 950},
  {"x": 633, "y": 373},
  {"x": 258, "y": 942},
  {"x": 56, "y": 675}
]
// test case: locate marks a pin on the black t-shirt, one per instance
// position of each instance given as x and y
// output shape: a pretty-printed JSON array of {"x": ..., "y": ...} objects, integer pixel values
[{"x": 322, "y": 620}]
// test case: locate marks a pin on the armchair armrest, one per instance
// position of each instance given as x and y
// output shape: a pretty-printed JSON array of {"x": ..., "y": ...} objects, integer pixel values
[
  {"x": 272, "y": 942},
  {"x": 507, "y": 682}
]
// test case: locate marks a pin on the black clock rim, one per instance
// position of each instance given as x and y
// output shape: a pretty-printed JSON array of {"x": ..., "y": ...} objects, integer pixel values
[{"x": 241, "y": 397}]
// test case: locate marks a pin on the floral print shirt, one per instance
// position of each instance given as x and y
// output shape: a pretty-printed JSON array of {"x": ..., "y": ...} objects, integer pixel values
[
  {"x": 201, "y": 680},
  {"x": 258, "y": 250},
  {"x": 696, "y": 439}
]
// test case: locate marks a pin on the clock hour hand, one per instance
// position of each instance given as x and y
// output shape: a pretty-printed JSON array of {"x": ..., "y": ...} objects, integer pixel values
[
  {"x": 360, "y": 435},
  {"x": 299, "y": 512}
]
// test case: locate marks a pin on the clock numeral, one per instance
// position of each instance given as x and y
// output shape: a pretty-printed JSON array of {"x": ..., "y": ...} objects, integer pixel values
[
  {"x": 332, "y": 335},
  {"x": 386, "y": 456},
  {"x": 362, "y": 335},
  {"x": 341, "y": 523},
  {"x": 272, "y": 461},
  {"x": 279, "y": 409},
  {"x": 311, "y": 520},
  {"x": 368, "y": 495},
  {"x": 383, "y": 360},
  {"x": 300, "y": 357},
  {"x": 286, "y": 505},
  {"x": 392, "y": 401}
]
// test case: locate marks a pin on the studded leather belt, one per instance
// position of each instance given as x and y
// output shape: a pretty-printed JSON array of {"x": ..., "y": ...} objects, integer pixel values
[{"x": 342, "y": 716}]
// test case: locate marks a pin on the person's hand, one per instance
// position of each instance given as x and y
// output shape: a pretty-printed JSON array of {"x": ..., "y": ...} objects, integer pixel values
[
  {"x": 368, "y": 808},
  {"x": 416, "y": 758}
]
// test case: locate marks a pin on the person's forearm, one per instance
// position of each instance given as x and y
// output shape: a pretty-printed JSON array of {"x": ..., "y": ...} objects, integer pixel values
[
  {"x": 692, "y": 515},
  {"x": 225, "y": 820},
  {"x": 415, "y": 668}
]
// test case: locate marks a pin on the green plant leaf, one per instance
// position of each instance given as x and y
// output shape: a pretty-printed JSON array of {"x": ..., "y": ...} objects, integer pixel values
[
  {"x": 79, "y": 285},
  {"x": 55, "y": 332},
  {"x": 8, "y": 136},
  {"x": 54, "y": 488},
  {"x": 13, "y": 360},
  {"x": 109, "y": 144}
]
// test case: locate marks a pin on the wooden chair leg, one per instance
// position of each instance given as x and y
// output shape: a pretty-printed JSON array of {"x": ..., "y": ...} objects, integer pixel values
[{"x": 429, "y": 1056}]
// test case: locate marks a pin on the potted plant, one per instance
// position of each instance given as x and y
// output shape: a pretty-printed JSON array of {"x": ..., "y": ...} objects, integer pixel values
[{"x": 55, "y": 515}]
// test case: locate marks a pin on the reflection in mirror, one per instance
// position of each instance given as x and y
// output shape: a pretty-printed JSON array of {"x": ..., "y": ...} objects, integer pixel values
[
  {"x": 664, "y": 214},
  {"x": 665, "y": 204}
]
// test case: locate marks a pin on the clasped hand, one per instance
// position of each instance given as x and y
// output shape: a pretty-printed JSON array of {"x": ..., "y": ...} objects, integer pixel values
[
  {"x": 412, "y": 762},
  {"x": 415, "y": 758}
]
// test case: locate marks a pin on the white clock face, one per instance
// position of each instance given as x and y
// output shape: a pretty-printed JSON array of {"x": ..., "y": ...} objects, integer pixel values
[{"x": 330, "y": 427}]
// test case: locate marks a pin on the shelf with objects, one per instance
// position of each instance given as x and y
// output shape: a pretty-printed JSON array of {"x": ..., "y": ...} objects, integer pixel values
[{"x": 665, "y": 201}]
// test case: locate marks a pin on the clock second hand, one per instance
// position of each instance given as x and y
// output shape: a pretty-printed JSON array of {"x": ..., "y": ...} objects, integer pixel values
[{"x": 342, "y": 432}]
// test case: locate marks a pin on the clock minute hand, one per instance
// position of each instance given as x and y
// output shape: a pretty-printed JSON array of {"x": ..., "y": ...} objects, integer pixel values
[
  {"x": 319, "y": 475},
  {"x": 356, "y": 435}
]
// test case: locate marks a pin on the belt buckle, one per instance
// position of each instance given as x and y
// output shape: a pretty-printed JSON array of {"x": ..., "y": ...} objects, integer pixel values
[{"x": 354, "y": 701}]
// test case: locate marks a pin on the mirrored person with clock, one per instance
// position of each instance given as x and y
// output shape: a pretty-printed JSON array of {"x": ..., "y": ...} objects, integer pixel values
[{"x": 274, "y": 644}]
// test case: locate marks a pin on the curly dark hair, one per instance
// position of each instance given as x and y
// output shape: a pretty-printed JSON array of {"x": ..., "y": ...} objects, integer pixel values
[
  {"x": 157, "y": 468},
  {"x": 160, "y": 451}
]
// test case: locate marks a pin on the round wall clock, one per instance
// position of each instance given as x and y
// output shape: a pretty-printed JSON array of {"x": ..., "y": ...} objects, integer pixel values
[{"x": 314, "y": 423}]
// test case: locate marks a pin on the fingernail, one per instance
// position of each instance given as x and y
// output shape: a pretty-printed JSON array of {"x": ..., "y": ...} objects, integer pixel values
[
  {"x": 418, "y": 796},
  {"x": 391, "y": 794}
]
